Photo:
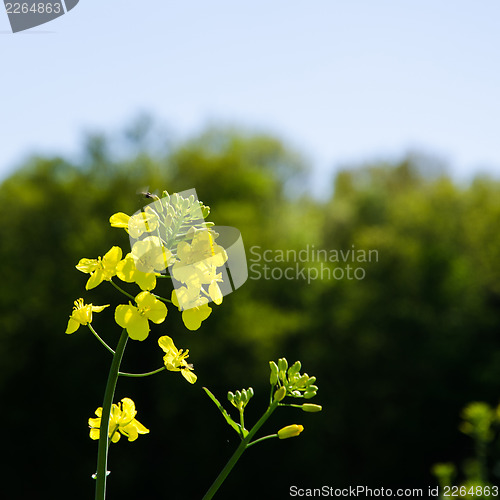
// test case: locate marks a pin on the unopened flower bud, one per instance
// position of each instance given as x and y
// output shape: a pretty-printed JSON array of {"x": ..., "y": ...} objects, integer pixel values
[
  {"x": 280, "y": 394},
  {"x": 230, "y": 396},
  {"x": 274, "y": 372},
  {"x": 282, "y": 364},
  {"x": 290, "y": 431},
  {"x": 309, "y": 394},
  {"x": 294, "y": 369},
  {"x": 311, "y": 408}
]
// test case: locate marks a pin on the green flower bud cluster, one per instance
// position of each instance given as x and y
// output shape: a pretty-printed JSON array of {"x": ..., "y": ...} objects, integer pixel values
[
  {"x": 177, "y": 215},
  {"x": 241, "y": 398},
  {"x": 177, "y": 206},
  {"x": 297, "y": 385}
]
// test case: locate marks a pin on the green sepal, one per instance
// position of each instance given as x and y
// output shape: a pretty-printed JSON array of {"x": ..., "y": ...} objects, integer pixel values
[{"x": 225, "y": 414}]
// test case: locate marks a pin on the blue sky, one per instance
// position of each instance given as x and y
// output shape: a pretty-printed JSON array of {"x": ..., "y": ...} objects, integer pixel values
[{"x": 343, "y": 81}]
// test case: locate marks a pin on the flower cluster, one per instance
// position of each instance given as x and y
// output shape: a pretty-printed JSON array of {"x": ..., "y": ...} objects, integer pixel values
[
  {"x": 241, "y": 398},
  {"x": 290, "y": 382},
  {"x": 170, "y": 233},
  {"x": 284, "y": 382}
]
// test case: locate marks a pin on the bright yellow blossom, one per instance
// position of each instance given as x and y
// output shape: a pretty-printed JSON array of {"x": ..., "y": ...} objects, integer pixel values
[
  {"x": 175, "y": 359},
  {"x": 127, "y": 271},
  {"x": 151, "y": 255},
  {"x": 100, "y": 269},
  {"x": 194, "y": 306},
  {"x": 121, "y": 420},
  {"x": 199, "y": 261},
  {"x": 135, "y": 319},
  {"x": 82, "y": 315},
  {"x": 139, "y": 223}
]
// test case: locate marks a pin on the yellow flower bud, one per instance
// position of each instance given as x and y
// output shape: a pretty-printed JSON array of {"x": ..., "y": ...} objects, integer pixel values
[
  {"x": 310, "y": 408},
  {"x": 290, "y": 431},
  {"x": 280, "y": 394}
]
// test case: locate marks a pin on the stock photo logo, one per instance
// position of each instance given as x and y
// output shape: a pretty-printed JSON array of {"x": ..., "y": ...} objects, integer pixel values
[{"x": 29, "y": 13}]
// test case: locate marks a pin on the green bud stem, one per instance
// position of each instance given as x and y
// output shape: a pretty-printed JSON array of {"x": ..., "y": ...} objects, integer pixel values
[
  {"x": 239, "y": 451},
  {"x": 100, "y": 340},
  {"x": 122, "y": 290},
  {"x": 161, "y": 298},
  {"x": 242, "y": 418},
  {"x": 262, "y": 439},
  {"x": 124, "y": 374},
  {"x": 102, "y": 450}
]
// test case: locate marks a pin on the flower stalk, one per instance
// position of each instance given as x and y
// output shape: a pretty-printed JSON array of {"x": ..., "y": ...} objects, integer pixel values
[
  {"x": 102, "y": 452},
  {"x": 245, "y": 443}
]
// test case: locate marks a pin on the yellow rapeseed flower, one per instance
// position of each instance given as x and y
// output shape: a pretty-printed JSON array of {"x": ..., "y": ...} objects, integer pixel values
[
  {"x": 121, "y": 420},
  {"x": 100, "y": 269},
  {"x": 135, "y": 318},
  {"x": 82, "y": 315},
  {"x": 193, "y": 305},
  {"x": 127, "y": 271},
  {"x": 175, "y": 359},
  {"x": 135, "y": 225},
  {"x": 150, "y": 255}
]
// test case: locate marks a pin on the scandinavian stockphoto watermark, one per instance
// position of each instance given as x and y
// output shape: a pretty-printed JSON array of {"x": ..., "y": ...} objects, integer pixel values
[
  {"x": 310, "y": 263},
  {"x": 27, "y": 14}
]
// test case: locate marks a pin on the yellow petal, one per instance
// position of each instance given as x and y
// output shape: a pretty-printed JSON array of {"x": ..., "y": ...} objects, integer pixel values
[
  {"x": 138, "y": 328},
  {"x": 147, "y": 281},
  {"x": 116, "y": 437},
  {"x": 94, "y": 434},
  {"x": 140, "y": 428},
  {"x": 167, "y": 344},
  {"x": 189, "y": 375},
  {"x": 215, "y": 293},
  {"x": 87, "y": 265},
  {"x": 72, "y": 326},
  {"x": 95, "y": 279},
  {"x": 128, "y": 407},
  {"x": 125, "y": 269},
  {"x": 119, "y": 220},
  {"x": 95, "y": 422},
  {"x": 130, "y": 431},
  {"x": 112, "y": 257},
  {"x": 124, "y": 314},
  {"x": 157, "y": 313},
  {"x": 193, "y": 317},
  {"x": 174, "y": 299},
  {"x": 98, "y": 309}
]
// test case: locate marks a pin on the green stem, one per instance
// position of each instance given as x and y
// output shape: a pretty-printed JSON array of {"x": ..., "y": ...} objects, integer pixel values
[
  {"x": 262, "y": 439},
  {"x": 242, "y": 419},
  {"x": 237, "y": 454},
  {"x": 102, "y": 451},
  {"x": 122, "y": 290},
  {"x": 123, "y": 374},
  {"x": 161, "y": 298},
  {"x": 100, "y": 340}
]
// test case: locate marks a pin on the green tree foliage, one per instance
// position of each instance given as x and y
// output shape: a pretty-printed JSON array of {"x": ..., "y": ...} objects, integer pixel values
[{"x": 397, "y": 354}]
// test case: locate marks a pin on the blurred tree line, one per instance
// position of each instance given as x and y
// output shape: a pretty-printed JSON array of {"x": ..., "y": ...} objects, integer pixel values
[{"x": 397, "y": 354}]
